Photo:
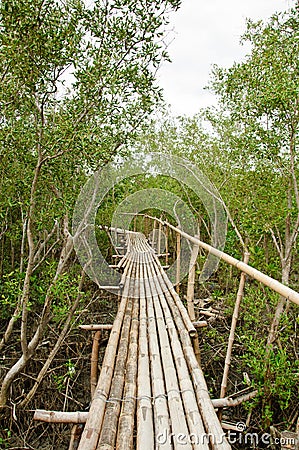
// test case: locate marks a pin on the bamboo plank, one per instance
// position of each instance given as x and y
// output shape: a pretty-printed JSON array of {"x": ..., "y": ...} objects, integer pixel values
[
  {"x": 177, "y": 414},
  {"x": 127, "y": 416},
  {"x": 161, "y": 413},
  {"x": 195, "y": 424},
  {"x": 166, "y": 389},
  {"x": 145, "y": 427},
  {"x": 93, "y": 424},
  {"x": 208, "y": 414},
  {"x": 110, "y": 422}
]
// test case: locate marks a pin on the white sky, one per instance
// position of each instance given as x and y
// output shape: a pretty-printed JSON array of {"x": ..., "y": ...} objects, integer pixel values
[{"x": 207, "y": 32}]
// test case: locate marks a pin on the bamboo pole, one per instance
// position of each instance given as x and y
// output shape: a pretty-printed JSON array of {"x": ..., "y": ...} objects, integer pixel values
[
  {"x": 145, "y": 428},
  {"x": 200, "y": 324},
  {"x": 93, "y": 425},
  {"x": 161, "y": 413},
  {"x": 96, "y": 327},
  {"x": 233, "y": 401},
  {"x": 178, "y": 262},
  {"x": 175, "y": 404},
  {"x": 233, "y": 329},
  {"x": 60, "y": 416},
  {"x": 126, "y": 421},
  {"x": 135, "y": 217},
  {"x": 166, "y": 246},
  {"x": 273, "y": 284},
  {"x": 190, "y": 298},
  {"x": 94, "y": 362},
  {"x": 193, "y": 418},
  {"x": 154, "y": 235},
  {"x": 146, "y": 232},
  {"x": 191, "y": 282},
  {"x": 75, "y": 436},
  {"x": 110, "y": 422},
  {"x": 109, "y": 430},
  {"x": 182, "y": 310},
  {"x": 208, "y": 414},
  {"x": 159, "y": 238}
]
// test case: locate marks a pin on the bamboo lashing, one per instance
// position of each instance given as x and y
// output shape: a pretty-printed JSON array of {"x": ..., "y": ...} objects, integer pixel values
[{"x": 80, "y": 417}]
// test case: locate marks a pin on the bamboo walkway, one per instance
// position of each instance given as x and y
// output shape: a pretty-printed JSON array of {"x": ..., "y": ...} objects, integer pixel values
[{"x": 151, "y": 392}]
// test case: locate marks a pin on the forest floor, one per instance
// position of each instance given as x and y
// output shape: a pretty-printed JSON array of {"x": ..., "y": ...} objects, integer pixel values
[{"x": 67, "y": 384}]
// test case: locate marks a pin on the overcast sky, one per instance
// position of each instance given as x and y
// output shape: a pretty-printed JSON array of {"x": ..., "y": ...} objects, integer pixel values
[{"x": 207, "y": 32}]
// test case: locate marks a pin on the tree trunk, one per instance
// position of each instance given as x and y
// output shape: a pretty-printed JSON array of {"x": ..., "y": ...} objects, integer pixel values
[{"x": 35, "y": 340}]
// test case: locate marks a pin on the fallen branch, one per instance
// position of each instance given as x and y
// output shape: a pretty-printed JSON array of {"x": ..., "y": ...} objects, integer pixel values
[
  {"x": 233, "y": 401},
  {"x": 60, "y": 416},
  {"x": 200, "y": 324},
  {"x": 96, "y": 327}
]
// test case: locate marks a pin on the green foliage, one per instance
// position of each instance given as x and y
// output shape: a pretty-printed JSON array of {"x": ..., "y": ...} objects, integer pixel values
[
  {"x": 4, "y": 438},
  {"x": 9, "y": 293},
  {"x": 61, "y": 380},
  {"x": 112, "y": 51},
  {"x": 261, "y": 92},
  {"x": 282, "y": 365}
]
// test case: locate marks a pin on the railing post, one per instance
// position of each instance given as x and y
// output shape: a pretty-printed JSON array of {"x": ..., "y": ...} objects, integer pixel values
[
  {"x": 134, "y": 220},
  {"x": 159, "y": 239},
  {"x": 233, "y": 328},
  {"x": 178, "y": 262},
  {"x": 166, "y": 245},
  {"x": 75, "y": 436},
  {"x": 94, "y": 362},
  {"x": 146, "y": 232},
  {"x": 154, "y": 236},
  {"x": 190, "y": 297}
]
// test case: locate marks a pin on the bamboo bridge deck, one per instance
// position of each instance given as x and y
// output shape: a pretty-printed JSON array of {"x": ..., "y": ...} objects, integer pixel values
[{"x": 151, "y": 392}]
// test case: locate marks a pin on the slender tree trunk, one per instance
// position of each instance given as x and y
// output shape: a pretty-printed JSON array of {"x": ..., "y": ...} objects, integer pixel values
[
  {"x": 57, "y": 346},
  {"x": 280, "y": 306},
  {"x": 30, "y": 263},
  {"x": 35, "y": 340},
  {"x": 285, "y": 253}
]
